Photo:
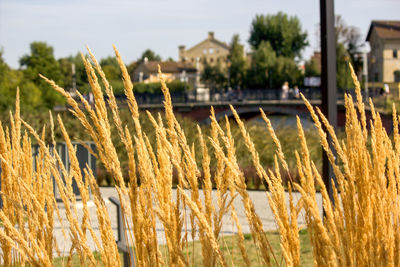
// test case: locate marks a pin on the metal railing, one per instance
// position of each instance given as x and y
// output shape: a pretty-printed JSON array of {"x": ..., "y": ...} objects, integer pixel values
[
  {"x": 239, "y": 95},
  {"x": 123, "y": 246}
]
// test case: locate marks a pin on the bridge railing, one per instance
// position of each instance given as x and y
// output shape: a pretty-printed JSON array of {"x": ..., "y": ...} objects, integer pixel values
[{"x": 239, "y": 95}]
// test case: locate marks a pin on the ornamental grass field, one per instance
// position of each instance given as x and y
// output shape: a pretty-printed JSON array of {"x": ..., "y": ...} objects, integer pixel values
[{"x": 362, "y": 229}]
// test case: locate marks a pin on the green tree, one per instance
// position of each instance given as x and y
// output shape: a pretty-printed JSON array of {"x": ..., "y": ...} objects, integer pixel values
[
  {"x": 41, "y": 60},
  {"x": 82, "y": 83},
  {"x": 261, "y": 72},
  {"x": 9, "y": 81},
  {"x": 131, "y": 68},
  {"x": 351, "y": 39},
  {"x": 343, "y": 77},
  {"x": 348, "y": 49},
  {"x": 213, "y": 76},
  {"x": 111, "y": 68},
  {"x": 66, "y": 72},
  {"x": 237, "y": 61},
  {"x": 311, "y": 68},
  {"x": 271, "y": 71},
  {"x": 113, "y": 73},
  {"x": 284, "y": 34},
  {"x": 150, "y": 54},
  {"x": 286, "y": 69}
]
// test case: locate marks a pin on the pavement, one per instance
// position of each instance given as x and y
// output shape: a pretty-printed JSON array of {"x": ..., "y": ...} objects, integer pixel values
[{"x": 259, "y": 199}]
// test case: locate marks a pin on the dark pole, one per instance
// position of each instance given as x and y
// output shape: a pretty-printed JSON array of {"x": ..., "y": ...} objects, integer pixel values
[{"x": 328, "y": 80}]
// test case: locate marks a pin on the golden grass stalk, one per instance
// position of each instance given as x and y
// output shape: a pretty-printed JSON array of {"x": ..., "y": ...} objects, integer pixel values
[{"x": 360, "y": 228}]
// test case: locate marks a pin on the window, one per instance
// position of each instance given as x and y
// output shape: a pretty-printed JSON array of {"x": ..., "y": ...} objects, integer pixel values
[
  {"x": 205, "y": 51},
  {"x": 396, "y": 76},
  {"x": 211, "y": 51},
  {"x": 211, "y": 60},
  {"x": 394, "y": 53}
]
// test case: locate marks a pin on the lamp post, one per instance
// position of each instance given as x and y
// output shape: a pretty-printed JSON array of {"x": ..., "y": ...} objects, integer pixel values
[
  {"x": 73, "y": 73},
  {"x": 183, "y": 79},
  {"x": 328, "y": 81},
  {"x": 228, "y": 64},
  {"x": 346, "y": 59},
  {"x": 365, "y": 73}
]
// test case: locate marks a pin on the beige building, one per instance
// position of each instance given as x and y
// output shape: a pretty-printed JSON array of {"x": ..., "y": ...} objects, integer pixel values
[
  {"x": 147, "y": 72},
  {"x": 384, "y": 57},
  {"x": 211, "y": 50}
]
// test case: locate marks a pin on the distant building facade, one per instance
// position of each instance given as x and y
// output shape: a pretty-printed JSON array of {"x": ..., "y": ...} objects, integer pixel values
[
  {"x": 147, "y": 72},
  {"x": 384, "y": 57},
  {"x": 210, "y": 50}
]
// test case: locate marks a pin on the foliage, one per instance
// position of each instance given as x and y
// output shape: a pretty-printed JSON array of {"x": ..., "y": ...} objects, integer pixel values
[
  {"x": 269, "y": 70},
  {"x": 213, "y": 76},
  {"x": 175, "y": 86},
  {"x": 9, "y": 81},
  {"x": 237, "y": 63},
  {"x": 41, "y": 60},
  {"x": 311, "y": 68},
  {"x": 343, "y": 79},
  {"x": 150, "y": 55},
  {"x": 351, "y": 39},
  {"x": 263, "y": 62},
  {"x": 111, "y": 68},
  {"x": 284, "y": 34}
]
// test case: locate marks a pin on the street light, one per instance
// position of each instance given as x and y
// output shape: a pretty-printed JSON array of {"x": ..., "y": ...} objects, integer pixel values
[
  {"x": 328, "y": 81},
  {"x": 365, "y": 72},
  {"x": 228, "y": 64},
  {"x": 346, "y": 59}
]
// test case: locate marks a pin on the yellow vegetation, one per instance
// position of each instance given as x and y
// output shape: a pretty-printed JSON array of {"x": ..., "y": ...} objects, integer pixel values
[{"x": 362, "y": 228}]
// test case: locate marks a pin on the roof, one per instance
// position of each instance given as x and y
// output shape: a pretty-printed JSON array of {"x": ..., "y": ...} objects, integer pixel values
[
  {"x": 215, "y": 41},
  {"x": 385, "y": 29},
  {"x": 169, "y": 66}
]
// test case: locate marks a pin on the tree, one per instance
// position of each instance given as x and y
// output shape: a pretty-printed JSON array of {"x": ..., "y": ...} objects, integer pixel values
[
  {"x": 348, "y": 47},
  {"x": 131, "y": 68},
  {"x": 261, "y": 72},
  {"x": 311, "y": 68},
  {"x": 343, "y": 77},
  {"x": 284, "y": 34},
  {"x": 351, "y": 39},
  {"x": 237, "y": 61},
  {"x": 41, "y": 60},
  {"x": 113, "y": 73},
  {"x": 286, "y": 69},
  {"x": 213, "y": 76},
  {"x": 9, "y": 81},
  {"x": 150, "y": 55},
  {"x": 271, "y": 71},
  {"x": 111, "y": 68}
]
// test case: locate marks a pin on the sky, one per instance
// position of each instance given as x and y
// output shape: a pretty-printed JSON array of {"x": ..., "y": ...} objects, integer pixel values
[{"x": 161, "y": 25}]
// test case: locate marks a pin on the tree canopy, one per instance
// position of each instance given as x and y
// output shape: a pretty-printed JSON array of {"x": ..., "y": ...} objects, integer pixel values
[
  {"x": 284, "y": 34},
  {"x": 213, "y": 76},
  {"x": 237, "y": 61},
  {"x": 150, "y": 55},
  {"x": 261, "y": 73},
  {"x": 41, "y": 61},
  {"x": 9, "y": 81}
]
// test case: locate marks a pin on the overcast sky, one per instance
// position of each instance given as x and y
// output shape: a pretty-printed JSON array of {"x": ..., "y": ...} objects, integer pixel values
[{"x": 161, "y": 25}]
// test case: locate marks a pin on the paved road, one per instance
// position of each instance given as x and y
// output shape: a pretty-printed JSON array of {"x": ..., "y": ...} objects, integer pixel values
[{"x": 259, "y": 199}]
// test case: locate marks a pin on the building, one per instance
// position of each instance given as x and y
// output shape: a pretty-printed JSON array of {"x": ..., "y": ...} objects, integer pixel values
[
  {"x": 147, "y": 72},
  {"x": 384, "y": 57},
  {"x": 210, "y": 50}
]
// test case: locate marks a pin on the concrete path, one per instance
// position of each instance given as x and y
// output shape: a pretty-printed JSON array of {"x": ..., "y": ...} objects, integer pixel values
[{"x": 258, "y": 197}]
